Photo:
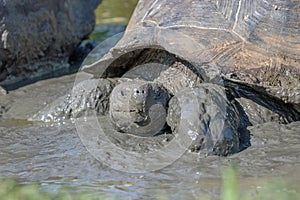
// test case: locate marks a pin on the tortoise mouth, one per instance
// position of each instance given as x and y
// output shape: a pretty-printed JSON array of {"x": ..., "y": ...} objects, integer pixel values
[
  {"x": 144, "y": 122},
  {"x": 137, "y": 116},
  {"x": 141, "y": 122}
]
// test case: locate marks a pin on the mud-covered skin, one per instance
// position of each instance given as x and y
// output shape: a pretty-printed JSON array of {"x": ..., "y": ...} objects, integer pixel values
[
  {"x": 220, "y": 125},
  {"x": 131, "y": 102},
  {"x": 87, "y": 97},
  {"x": 138, "y": 107},
  {"x": 177, "y": 77},
  {"x": 218, "y": 128}
]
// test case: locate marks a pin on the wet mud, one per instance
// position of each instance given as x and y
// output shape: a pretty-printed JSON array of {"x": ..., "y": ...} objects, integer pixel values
[{"x": 53, "y": 156}]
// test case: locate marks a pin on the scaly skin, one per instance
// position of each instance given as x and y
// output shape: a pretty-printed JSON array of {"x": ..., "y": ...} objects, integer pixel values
[{"x": 177, "y": 77}]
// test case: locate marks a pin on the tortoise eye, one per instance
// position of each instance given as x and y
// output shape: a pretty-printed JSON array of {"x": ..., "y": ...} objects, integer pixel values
[
  {"x": 122, "y": 93},
  {"x": 158, "y": 93}
]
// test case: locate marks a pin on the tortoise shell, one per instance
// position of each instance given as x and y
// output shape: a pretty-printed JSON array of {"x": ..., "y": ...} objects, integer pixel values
[{"x": 250, "y": 47}]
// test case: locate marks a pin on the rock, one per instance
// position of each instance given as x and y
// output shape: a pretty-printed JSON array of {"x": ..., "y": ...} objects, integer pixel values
[{"x": 37, "y": 33}]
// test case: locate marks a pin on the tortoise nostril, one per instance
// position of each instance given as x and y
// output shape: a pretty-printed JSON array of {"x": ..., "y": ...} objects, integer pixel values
[
  {"x": 143, "y": 91},
  {"x": 136, "y": 91}
]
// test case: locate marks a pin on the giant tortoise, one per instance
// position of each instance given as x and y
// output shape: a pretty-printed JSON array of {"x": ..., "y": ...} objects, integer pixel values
[{"x": 239, "y": 60}]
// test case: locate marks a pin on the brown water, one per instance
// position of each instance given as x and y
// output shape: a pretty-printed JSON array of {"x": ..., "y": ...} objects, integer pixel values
[{"x": 53, "y": 156}]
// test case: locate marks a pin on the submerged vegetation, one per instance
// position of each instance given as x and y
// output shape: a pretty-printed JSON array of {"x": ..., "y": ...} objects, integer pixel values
[
  {"x": 274, "y": 189},
  {"x": 11, "y": 190},
  {"x": 264, "y": 190}
]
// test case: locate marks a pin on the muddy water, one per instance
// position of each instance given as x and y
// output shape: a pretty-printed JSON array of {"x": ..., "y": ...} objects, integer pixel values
[{"x": 53, "y": 156}]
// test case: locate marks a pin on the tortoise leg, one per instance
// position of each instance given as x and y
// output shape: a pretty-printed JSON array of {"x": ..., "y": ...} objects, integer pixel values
[
  {"x": 138, "y": 107},
  {"x": 211, "y": 120},
  {"x": 86, "y": 97}
]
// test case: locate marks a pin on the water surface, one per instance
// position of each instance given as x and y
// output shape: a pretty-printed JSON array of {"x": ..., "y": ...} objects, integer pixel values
[{"x": 53, "y": 156}]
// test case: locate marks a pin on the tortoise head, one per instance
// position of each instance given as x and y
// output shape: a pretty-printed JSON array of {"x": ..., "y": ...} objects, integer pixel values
[{"x": 135, "y": 104}]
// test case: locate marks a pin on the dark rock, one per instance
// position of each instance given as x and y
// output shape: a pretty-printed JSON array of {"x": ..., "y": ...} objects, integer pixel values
[{"x": 44, "y": 32}]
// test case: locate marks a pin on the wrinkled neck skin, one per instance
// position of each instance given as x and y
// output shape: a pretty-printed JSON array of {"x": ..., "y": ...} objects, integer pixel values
[{"x": 138, "y": 107}]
